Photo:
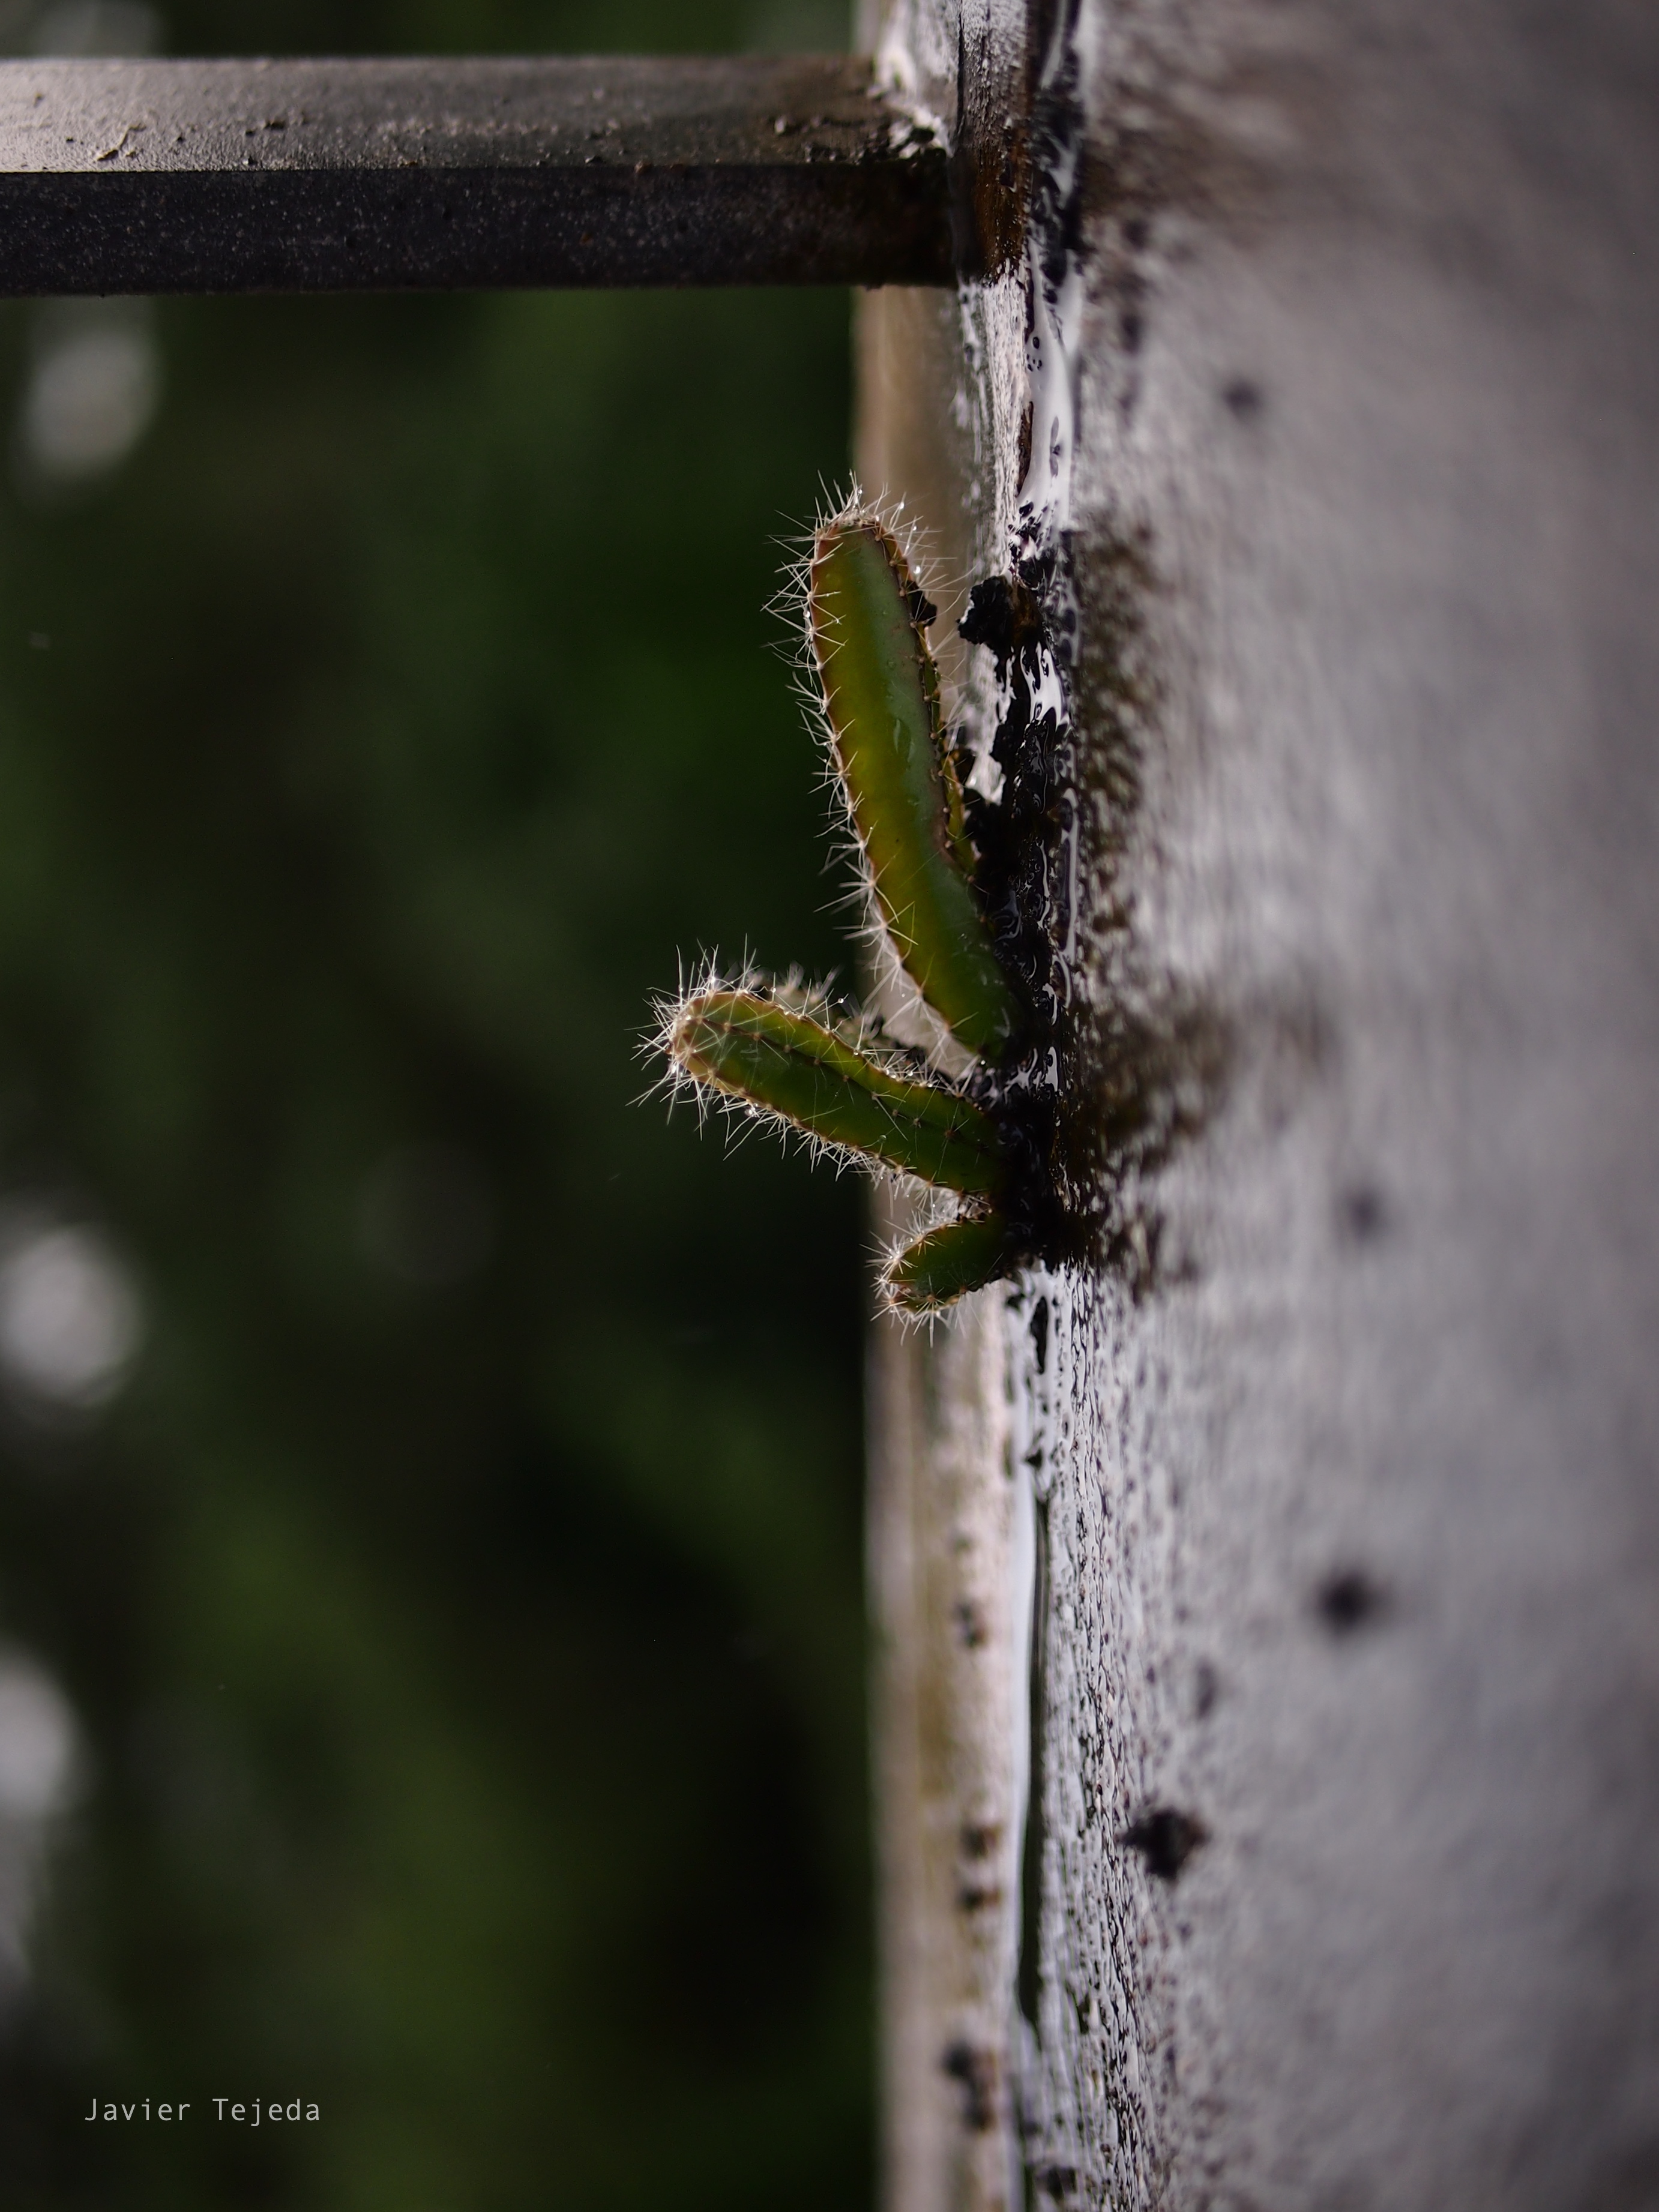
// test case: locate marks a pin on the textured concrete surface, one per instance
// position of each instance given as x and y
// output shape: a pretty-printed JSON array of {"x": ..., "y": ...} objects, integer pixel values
[{"x": 1345, "y": 1456}]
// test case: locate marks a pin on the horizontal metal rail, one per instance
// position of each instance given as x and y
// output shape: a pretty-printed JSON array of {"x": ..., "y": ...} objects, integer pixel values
[{"x": 329, "y": 176}]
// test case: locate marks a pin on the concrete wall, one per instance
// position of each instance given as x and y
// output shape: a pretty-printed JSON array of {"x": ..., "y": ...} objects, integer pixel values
[{"x": 1332, "y": 1464}]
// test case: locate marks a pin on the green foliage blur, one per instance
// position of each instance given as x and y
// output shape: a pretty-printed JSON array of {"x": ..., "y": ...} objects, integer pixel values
[{"x": 466, "y": 1642}]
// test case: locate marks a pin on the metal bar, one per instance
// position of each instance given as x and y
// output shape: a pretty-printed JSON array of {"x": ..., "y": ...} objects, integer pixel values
[{"x": 329, "y": 176}]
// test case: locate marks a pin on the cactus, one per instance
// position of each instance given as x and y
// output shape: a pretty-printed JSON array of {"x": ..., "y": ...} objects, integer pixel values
[{"x": 780, "y": 1055}]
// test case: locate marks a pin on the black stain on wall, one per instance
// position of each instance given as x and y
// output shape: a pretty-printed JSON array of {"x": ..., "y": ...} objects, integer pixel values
[
  {"x": 1166, "y": 1839},
  {"x": 1349, "y": 1601},
  {"x": 976, "y": 2070}
]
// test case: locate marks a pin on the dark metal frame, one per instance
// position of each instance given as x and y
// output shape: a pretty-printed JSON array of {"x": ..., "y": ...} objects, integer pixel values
[{"x": 299, "y": 176}]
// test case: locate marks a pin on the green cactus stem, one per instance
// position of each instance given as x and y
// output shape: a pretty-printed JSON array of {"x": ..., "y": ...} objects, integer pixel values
[
  {"x": 867, "y": 620},
  {"x": 785, "y": 1064},
  {"x": 946, "y": 1263}
]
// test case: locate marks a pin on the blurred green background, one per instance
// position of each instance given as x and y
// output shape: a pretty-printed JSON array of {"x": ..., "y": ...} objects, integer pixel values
[{"x": 457, "y": 1601}]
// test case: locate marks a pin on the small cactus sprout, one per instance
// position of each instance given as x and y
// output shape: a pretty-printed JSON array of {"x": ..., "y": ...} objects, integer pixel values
[
  {"x": 867, "y": 620},
  {"x": 784, "y": 1065},
  {"x": 781, "y": 1054},
  {"x": 946, "y": 1262}
]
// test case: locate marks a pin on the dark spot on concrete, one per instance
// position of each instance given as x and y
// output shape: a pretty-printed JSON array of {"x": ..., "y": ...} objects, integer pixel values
[
  {"x": 1056, "y": 2181},
  {"x": 970, "y": 1624},
  {"x": 1136, "y": 232},
  {"x": 1040, "y": 1335},
  {"x": 1002, "y": 614},
  {"x": 976, "y": 1896},
  {"x": 1349, "y": 1601},
  {"x": 979, "y": 1838},
  {"x": 976, "y": 2070},
  {"x": 1362, "y": 1214},
  {"x": 1242, "y": 399},
  {"x": 1165, "y": 1838},
  {"x": 1206, "y": 1689},
  {"x": 1131, "y": 328}
]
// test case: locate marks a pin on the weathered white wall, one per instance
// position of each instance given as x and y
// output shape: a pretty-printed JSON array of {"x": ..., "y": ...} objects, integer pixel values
[
  {"x": 1347, "y": 1467},
  {"x": 948, "y": 1598}
]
